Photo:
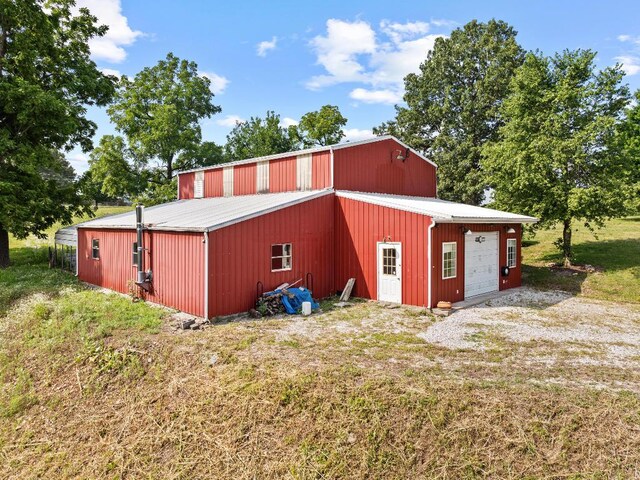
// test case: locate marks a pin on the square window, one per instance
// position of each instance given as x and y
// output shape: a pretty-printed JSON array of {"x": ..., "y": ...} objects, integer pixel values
[
  {"x": 281, "y": 255},
  {"x": 449, "y": 259},
  {"x": 389, "y": 261},
  {"x": 95, "y": 249}
]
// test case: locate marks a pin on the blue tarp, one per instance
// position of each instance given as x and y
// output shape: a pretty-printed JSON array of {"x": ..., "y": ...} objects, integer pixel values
[{"x": 298, "y": 295}]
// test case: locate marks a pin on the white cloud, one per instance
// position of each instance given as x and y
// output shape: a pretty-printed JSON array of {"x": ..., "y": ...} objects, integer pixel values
[
  {"x": 629, "y": 38},
  {"x": 111, "y": 71},
  {"x": 352, "y": 52},
  {"x": 286, "y": 122},
  {"x": 110, "y": 47},
  {"x": 630, "y": 64},
  {"x": 79, "y": 161},
  {"x": 230, "y": 121},
  {"x": 387, "y": 96},
  {"x": 218, "y": 82},
  {"x": 265, "y": 46},
  {"x": 356, "y": 134}
]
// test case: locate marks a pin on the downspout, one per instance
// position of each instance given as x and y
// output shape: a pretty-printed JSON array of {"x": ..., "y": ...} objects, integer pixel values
[
  {"x": 430, "y": 262},
  {"x": 206, "y": 274}
]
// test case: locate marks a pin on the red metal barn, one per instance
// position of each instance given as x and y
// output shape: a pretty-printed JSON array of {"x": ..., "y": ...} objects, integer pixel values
[{"x": 365, "y": 210}]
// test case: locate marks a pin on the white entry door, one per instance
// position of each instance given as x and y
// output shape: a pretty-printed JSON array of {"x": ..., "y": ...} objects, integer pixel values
[
  {"x": 390, "y": 272},
  {"x": 481, "y": 269}
]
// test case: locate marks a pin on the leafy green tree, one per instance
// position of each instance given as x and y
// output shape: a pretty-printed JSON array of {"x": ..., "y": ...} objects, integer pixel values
[
  {"x": 202, "y": 155},
  {"x": 160, "y": 110},
  {"x": 258, "y": 137},
  {"x": 629, "y": 136},
  {"x": 47, "y": 80},
  {"x": 112, "y": 165},
  {"x": 319, "y": 128},
  {"x": 92, "y": 189},
  {"x": 453, "y": 104},
  {"x": 558, "y": 157}
]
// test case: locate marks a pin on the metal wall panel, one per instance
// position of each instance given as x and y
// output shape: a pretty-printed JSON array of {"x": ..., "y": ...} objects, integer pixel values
[
  {"x": 213, "y": 183},
  {"x": 175, "y": 258},
  {"x": 198, "y": 185},
  {"x": 282, "y": 175},
  {"x": 373, "y": 167},
  {"x": 240, "y": 255},
  {"x": 262, "y": 180},
  {"x": 321, "y": 165},
  {"x": 359, "y": 226},
  {"x": 227, "y": 181},
  {"x": 185, "y": 186},
  {"x": 452, "y": 289},
  {"x": 304, "y": 172},
  {"x": 244, "y": 179}
]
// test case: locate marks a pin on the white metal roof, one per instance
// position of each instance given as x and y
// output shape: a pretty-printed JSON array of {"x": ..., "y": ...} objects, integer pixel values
[
  {"x": 205, "y": 214},
  {"x": 337, "y": 146},
  {"x": 67, "y": 236},
  {"x": 441, "y": 211}
]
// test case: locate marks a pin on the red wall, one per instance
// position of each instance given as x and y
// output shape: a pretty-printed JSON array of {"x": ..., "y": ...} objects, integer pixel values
[
  {"x": 185, "y": 185},
  {"x": 282, "y": 175},
  {"x": 452, "y": 289},
  {"x": 370, "y": 168},
  {"x": 321, "y": 166},
  {"x": 240, "y": 254},
  {"x": 244, "y": 179},
  {"x": 175, "y": 258},
  {"x": 213, "y": 183},
  {"x": 359, "y": 226}
]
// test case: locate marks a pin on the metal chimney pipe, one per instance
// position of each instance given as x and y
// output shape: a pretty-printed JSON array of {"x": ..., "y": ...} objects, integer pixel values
[{"x": 139, "y": 237}]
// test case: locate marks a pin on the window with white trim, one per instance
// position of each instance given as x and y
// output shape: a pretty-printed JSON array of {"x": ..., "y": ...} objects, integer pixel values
[
  {"x": 280, "y": 257},
  {"x": 95, "y": 249},
  {"x": 389, "y": 261},
  {"x": 512, "y": 250},
  {"x": 449, "y": 259}
]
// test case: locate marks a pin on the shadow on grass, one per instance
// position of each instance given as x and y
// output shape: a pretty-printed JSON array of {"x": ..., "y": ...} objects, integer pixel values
[
  {"x": 29, "y": 273},
  {"x": 611, "y": 255},
  {"x": 546, "y": 278}
]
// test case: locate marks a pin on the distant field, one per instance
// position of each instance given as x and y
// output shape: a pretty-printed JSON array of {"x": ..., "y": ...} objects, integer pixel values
[{"x": 616, "y": 251}]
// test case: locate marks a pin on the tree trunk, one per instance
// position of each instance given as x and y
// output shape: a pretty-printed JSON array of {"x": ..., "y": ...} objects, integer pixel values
[
  {"x": 4, "y": 247},
  {"x": 567, "y": 252}
]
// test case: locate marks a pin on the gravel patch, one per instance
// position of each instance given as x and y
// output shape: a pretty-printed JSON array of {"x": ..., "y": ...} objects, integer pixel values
[{"x": 589, "y": 332}]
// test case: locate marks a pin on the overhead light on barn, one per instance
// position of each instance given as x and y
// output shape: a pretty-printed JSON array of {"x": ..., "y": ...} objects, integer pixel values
[
  {"x": 511, "y": 230},
  {"x": 467, "y": 231}
]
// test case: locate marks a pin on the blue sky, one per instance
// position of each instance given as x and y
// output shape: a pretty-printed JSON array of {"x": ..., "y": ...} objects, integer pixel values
[{"x": 294, "y": 57}]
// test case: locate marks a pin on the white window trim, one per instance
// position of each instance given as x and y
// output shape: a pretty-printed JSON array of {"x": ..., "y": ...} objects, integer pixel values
[
  {"x": 455, "y": 269},
  {"x": 198, "y": 185},
  {"x": 290, "y": 267},
  {"x": 95, "y": 248},
  {"x": 515, "y": 253}
]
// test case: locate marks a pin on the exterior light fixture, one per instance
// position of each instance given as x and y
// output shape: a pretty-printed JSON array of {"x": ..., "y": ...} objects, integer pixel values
[
  {"x": 511, "y": 230},
  {"x": 467, "y": 231}
]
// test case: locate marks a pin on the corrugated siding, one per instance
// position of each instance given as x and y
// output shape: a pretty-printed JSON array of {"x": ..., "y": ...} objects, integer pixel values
[
  {"x": 262, "y": 179},
  {"x": 359, "y": 226},
  {"x": 198, "y": 185},
  {"x": 176, "y": 260},
  {"x": 452, "y": 289},
  {"x": 304, "y": 172},
  {"x": 370, "y": 168},
  {"x": 213, "y": 183},
  {"x": 185, "y": 186},
  {"x": 240, "y": 255},
  {"x": 244, "y": 179},
  {"x": 321, "y": 164},
  {"x": 227, "y": 181},
  {"x": 282, "y": 175}
]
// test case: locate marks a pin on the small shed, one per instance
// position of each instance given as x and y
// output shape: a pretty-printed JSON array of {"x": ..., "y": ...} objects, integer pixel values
[{"x": 65, "y": 247}]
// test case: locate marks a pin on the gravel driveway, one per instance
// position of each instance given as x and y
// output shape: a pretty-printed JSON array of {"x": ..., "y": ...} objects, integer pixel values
[{"x": 551, "y": 324}]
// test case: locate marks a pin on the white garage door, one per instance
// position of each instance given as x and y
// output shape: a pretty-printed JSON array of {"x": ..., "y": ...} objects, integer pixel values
[{"x": 480, "y": 263}]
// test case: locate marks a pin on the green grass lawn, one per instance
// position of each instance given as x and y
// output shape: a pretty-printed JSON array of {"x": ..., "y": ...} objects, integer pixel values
[{"x": 616, "y": 251}]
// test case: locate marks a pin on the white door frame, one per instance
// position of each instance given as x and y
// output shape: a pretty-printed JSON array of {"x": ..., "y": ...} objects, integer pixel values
[
  {"x": 497, "y": 232},
  {"x": 398, "y": 247}
]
